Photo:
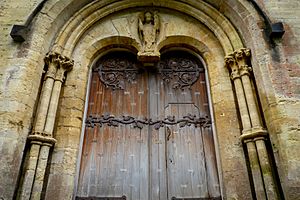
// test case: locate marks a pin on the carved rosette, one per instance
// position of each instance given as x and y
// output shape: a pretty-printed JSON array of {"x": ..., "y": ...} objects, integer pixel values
[
  {"x": 113, "y": 72},
  {"x": 180, "y": 72},
  {"x": 111, "y": 120}
]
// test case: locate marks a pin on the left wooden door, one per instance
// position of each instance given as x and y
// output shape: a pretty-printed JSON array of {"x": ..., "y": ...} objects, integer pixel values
[{"x": 114, "y": 161}]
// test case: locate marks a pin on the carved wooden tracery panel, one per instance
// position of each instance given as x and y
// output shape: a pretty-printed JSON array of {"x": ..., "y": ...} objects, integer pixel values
[{"x": 148, "y": 133}]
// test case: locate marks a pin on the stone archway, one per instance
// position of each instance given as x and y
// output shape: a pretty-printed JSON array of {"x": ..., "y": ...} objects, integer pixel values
[{"x": 85, "y": 40}]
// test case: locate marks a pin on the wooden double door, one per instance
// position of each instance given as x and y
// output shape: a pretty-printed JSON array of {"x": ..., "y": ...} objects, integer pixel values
[{"x": 148, "y": 133}]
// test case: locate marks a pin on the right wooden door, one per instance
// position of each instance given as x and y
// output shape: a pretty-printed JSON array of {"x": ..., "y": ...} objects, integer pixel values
[
  {"x": 182, "y": 151},
  {"x": 168, "y": 148}
]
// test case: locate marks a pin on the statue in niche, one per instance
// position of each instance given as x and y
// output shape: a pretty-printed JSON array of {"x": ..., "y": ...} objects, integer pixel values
[{"x": 148, "y": 28}]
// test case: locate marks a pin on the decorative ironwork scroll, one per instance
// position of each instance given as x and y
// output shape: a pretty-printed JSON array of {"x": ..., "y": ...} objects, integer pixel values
[
  {"x": 113, "y": 72},
  {"x": 184, "y": 71},
  {"x": 111, "y": 120}
]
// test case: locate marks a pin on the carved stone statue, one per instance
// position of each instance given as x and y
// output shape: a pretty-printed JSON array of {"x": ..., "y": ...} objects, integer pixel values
[{"x": 148, "y": 28}]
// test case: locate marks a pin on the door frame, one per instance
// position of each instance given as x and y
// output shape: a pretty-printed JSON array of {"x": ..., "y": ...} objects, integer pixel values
[{"x": 187, "y": 50}]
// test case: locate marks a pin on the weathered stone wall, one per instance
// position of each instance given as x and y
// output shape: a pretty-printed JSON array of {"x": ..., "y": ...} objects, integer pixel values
[
  {"x": 284, "y": 115},
  {"x": 283, "y": 111},
  {"x": 276, "y": 69},
  {"x": 20, "y": 79}
]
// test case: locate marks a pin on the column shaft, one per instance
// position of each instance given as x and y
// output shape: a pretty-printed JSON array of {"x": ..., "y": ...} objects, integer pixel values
[
  {"x": 253, "y": 110},
  {"x": 44, "y": 100},
  {"x": 64, "y": 65},
  {"x": 42, "y": 135},
  {"x": 242, "y": 104},
  {"x": 242, "y": 94},
  {"x": 255, "y": 170},
  {"x": 30, "y": 172},
  {"x": 42, "y": 161},
  {"x": 260, "y": 144},
  {"x": 53, "y": 107},
  {"x": 266, "y": 169},
  {"x": 40, "y": 173},
  {"x": 253, "y": 158},
  {"x": 257, "y": 129}
]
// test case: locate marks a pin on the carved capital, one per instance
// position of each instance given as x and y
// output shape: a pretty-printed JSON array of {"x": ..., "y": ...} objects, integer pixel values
[
  {"x": 52, "y": 57},
  {"x": 244, "y": 70},
  {"x": 57, "y": 65},
  {"x": 242, "y": 57},
  {"x": 59, "y": 60},
  {"x": 51, "y": 60},
  {"x": 231, "y": 64},
  {"x": 237, "y": 63},
  {"x": 66, "y": 63}
]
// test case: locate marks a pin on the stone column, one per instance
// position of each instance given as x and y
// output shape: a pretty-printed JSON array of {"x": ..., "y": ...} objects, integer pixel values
[
  {"x": 258, "y": 133},
  {"x": 64, "y": 66},
  {"x": 51, "y": 61},
  {"x": 41, "y": 138},
  {"x": 231, "y": 64}
]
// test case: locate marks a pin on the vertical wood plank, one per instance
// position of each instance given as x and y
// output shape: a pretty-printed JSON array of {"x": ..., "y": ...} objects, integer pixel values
[
  {"x": 212, "y": 174},
  {"x": 153, "y": 101}
]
